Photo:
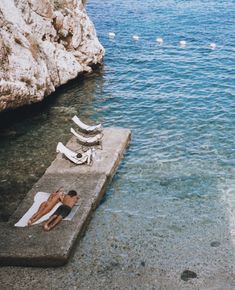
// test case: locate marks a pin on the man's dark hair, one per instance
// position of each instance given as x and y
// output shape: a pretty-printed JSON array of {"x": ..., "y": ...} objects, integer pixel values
[{"x": 72, "y": 193}]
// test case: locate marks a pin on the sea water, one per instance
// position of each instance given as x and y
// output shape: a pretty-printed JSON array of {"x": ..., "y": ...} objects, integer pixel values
[{"x": 171, "y": 204}]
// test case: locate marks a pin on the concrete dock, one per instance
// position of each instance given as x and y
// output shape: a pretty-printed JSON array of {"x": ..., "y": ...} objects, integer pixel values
[{"x": 31, "y": 246}]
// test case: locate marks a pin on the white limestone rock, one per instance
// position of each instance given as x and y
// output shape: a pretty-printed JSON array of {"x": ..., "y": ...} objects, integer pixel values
[{"x": 43, "y": 44}]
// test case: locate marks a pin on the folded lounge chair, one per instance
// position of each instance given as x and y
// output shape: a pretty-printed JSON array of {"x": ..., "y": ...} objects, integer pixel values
[
  {"x": 86, "y": 128},
  {"x": 89, "y": 141},
  {"x": 73, "y": 156}
]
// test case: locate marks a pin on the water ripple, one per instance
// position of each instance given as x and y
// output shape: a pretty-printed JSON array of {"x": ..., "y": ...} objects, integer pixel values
[{"x": 179, "y": 103}]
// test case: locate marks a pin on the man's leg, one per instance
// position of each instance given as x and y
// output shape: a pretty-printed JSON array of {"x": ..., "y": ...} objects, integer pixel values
[
  {"x": 46, "y": 224},
  {"x": 52, "y": 222}
]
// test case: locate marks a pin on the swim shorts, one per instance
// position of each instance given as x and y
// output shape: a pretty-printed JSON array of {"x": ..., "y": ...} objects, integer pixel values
[{"x": 63, "y": 210}]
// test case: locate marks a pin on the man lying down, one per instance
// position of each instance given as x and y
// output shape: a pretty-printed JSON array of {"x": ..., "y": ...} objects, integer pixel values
[{"x": 68, "y": 200}]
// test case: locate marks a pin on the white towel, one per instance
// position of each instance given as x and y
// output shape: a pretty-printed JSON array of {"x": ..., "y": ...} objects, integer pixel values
[{"x": 38, "y": 199}]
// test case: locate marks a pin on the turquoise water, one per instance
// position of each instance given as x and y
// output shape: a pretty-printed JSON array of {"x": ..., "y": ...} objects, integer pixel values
[
  {"x": 179, "y": 103},
  {"x": 173, "y": 196}
]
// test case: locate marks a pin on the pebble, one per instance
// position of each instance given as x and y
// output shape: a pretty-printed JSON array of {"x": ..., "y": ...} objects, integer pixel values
[
  {"x": 215, "y": 244},
  {"x": 187, "y": 274},
  {"x": 142, "y": 263}
]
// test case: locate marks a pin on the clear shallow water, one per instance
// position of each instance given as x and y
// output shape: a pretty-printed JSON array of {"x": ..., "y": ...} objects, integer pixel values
[{"x": 173, "y": 194}]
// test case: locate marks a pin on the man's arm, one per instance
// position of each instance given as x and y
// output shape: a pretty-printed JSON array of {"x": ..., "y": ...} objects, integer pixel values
[{"x": 61, "y": 198}]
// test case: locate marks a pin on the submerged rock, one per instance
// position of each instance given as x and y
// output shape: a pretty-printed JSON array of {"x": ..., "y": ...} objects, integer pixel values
[
  {"x": 215, "y": 244},
  {"x": 43, "y": 44},
  {"x": 187, "y": 274}
]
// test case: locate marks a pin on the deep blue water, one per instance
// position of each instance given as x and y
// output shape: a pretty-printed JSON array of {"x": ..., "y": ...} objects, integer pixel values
[
  {"x": 174, "y": 193},
  {"x": 176, "y": 186},
  {"x": 179, "y": 102}
]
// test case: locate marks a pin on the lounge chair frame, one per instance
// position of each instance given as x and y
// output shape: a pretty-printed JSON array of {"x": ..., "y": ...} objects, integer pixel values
[
  {"x": 72, "y": 155},
  {"x": 86, "y": 128},
  {"x": 88, "y": 141}
]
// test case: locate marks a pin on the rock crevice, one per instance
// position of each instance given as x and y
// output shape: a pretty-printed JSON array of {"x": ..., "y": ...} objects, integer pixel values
[{"x": 43, "y": 44}]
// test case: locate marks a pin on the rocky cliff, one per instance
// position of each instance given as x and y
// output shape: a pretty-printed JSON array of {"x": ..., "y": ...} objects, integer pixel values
[{"x": 43, "y": 44}]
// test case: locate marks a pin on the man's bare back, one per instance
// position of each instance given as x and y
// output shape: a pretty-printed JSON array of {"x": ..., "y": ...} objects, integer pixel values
[{"x": 69, "y": 200}]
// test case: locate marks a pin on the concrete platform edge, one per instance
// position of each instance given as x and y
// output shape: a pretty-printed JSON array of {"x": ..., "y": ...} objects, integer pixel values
[{"x": 59, "y": 258}]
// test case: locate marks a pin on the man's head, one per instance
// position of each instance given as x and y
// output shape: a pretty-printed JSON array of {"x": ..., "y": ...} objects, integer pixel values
[{"x": 72, "y": 193}]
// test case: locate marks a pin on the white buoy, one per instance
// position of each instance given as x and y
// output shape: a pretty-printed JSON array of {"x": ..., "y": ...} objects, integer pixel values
[
  {"x": 212, "y": 45},
  {"x": 182, "y": 43},
  {"x": 159, "y": 40},
  {"x": 111, "y": 34},
  {"x": 135, "y": 37}
]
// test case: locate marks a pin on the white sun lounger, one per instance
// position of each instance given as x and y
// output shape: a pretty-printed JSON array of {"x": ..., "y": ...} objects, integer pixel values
[
  {"x": 89, "y": 141},
  {"x": 72, "y": 155},
  {"x": 86, "y": 128}
]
